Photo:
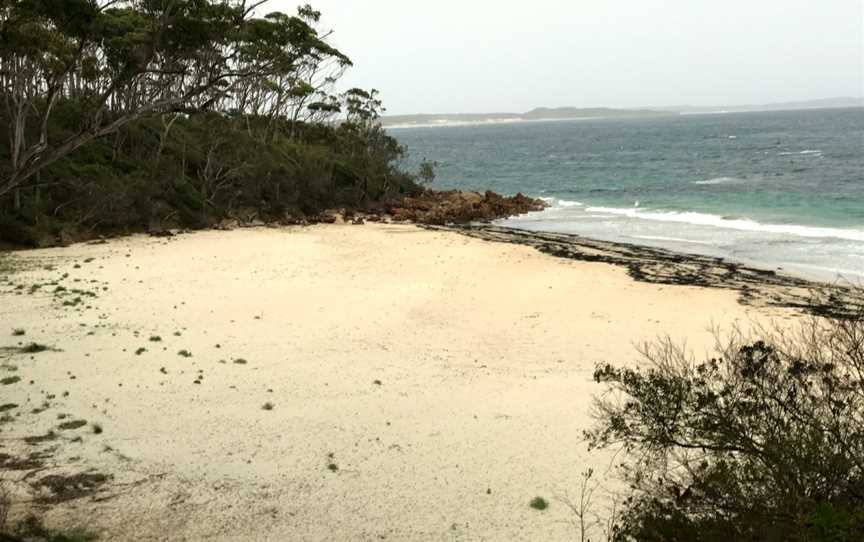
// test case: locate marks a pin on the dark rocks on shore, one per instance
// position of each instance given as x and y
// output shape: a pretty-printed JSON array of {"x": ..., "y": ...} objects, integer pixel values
[
  {"x": 431, "y": 207},
  {"x": 457, "y": 207}
]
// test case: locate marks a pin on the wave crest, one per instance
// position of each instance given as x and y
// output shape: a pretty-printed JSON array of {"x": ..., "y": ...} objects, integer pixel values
[
  {"x": 719, "y": 180},
  {"x": 556, "y": 202},
  {"x": 741, "y": 224}
]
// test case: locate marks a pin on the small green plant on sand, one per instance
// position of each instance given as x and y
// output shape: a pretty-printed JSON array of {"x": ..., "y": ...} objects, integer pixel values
[
  {"x": 32, "y": 528},
  {"x": 268, "y": 406},
  {"x": 18, "y": 332},
  {"x": 74, "y": 424},
  {"x": 34, "y": 348},
  {"x": 539, "y": 503},
  {"x": 140, "y": 351},
  {"x": 155, "y": 338},
  {"x": 185, "y": 353}
]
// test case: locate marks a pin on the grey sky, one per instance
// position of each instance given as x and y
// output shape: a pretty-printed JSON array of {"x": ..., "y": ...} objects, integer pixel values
[{"x": 438, "y": 56}]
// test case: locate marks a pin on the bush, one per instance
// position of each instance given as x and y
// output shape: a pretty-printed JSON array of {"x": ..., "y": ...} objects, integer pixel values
[
  {"x": 5, "y": 505},
  {"x": 763, "y": 442},
  {"x": 210, "y": 167}
]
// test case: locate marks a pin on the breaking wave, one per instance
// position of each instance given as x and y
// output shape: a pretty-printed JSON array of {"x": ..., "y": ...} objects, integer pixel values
[{"x": 742, "y": 224}]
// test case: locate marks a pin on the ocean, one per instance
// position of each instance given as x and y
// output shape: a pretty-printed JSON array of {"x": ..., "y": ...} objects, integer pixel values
[{"x": 778, "y": 190}]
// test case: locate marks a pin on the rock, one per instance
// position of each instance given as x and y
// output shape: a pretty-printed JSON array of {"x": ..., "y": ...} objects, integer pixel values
[{"x": 456, "y": 207}]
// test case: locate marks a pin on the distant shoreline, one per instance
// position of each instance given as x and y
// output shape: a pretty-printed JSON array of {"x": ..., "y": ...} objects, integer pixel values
[
  {"x": 576, "y": 114},
  {"x": 499, "y": 121}
]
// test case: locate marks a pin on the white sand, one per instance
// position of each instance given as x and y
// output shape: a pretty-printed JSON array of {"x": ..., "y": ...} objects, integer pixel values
[{"x": 484, "y": 352}]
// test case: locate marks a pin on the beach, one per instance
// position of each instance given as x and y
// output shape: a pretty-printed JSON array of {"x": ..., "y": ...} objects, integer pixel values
[{"x": 332, "y": 382}]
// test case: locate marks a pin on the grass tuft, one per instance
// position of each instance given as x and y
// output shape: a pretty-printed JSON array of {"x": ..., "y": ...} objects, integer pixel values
[
  {"x": 539, "y": 503},
  {"x": 74, "y": 424},
  {"x": 34, "y": 348}
]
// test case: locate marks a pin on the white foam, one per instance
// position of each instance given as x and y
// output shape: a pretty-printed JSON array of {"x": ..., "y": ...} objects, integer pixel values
[
  {"x": 555, "y": 202},
  {"x": 703, "y": 219},
  {"x": 673, "y": 239},
  {"x": 807, "y": 152},
  {"x": 720, "y": 180}
]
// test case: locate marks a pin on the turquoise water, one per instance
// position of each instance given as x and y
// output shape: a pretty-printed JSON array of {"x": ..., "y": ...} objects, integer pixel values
[{"x": 777, "y": 189}]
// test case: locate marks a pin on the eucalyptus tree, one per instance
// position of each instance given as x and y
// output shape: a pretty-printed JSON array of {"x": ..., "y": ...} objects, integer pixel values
[
  {"x": 121, "y": 60},
  {"x": 305, "y": 71}
]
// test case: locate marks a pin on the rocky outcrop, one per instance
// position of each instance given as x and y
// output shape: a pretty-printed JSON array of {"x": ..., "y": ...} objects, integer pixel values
[{"x": 457, "y": 207}]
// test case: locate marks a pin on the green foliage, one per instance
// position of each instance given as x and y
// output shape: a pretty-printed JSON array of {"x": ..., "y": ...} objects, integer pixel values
[
  {"x": 34, "y": 348},
  {"x": 160, "y": 114},
  {"x": 539, "y": 503},
  {"x": 426, "y": 173},
  {"x": 32, "y": 529},
  {"x": 764, "y": 442}
]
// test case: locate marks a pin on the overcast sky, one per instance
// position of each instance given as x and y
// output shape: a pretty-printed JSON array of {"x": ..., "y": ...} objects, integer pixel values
[{"x": 437, "y": 56}]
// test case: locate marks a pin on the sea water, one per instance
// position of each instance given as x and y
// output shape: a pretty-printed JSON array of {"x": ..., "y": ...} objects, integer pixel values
[{"x": 773, "y": 189}]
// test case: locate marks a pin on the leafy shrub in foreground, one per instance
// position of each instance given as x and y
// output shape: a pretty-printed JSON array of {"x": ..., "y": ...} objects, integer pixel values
[{"x": 763, "y": 442}]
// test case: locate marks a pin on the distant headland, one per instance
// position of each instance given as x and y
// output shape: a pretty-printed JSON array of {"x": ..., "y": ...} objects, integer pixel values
[{"x": 575, "y": 113}]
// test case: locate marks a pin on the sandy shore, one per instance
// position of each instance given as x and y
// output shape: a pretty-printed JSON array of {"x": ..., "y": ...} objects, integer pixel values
[{"x": 446, "y": 380}]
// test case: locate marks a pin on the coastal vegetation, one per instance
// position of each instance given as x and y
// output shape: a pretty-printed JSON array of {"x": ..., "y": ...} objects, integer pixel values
[
  {"x": 127, "y": 115},
  {"x": 764, "y": 441}
]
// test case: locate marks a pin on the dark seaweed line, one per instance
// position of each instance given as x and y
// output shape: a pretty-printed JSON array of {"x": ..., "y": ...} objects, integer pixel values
[{"x": 756, "y": 287}]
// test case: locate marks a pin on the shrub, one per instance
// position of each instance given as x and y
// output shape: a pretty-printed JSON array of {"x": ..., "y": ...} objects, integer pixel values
[
  {"x": 539, "y": 503},
  {"x": 764, "y": 442},
  {"x": 5, "y": 505}
]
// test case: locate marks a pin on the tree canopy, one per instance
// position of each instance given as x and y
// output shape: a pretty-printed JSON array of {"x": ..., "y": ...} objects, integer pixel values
[{"x": 131, "y": 92}]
